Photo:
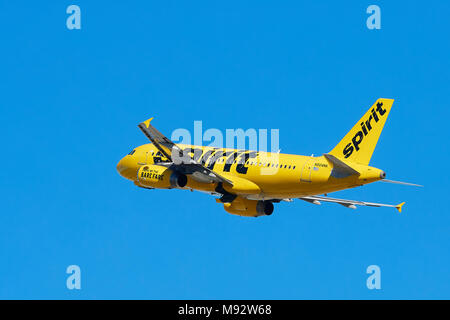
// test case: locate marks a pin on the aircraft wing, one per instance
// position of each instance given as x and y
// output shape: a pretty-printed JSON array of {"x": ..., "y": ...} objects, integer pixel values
[
  {"x": 349, "y": 203},
  {"x": 163, "y": 144},
  {"x": 188, "y": 165}
]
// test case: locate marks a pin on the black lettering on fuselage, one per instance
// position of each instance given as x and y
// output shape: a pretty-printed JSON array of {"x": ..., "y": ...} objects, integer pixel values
[
  {"x": 206, "y": 156},
  {"x": 240, "y": 167},
  {"x": 230, "y": 160},
  {"x": 196, "y": 154},
  {"x": 318, "y": 164},
  {"x": 214, "y": 157},
  {"x": 159, "y": 157},
  {"x": 209, "y": 158}
]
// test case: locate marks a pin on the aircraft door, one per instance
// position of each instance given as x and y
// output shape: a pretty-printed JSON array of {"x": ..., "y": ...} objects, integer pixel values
[
  {"x": 305, "y": 175},
  {"x": 144, "y": 159}
]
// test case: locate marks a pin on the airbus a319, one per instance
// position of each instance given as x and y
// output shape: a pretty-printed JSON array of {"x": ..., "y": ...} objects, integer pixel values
[{"x": 248, "y": 183}]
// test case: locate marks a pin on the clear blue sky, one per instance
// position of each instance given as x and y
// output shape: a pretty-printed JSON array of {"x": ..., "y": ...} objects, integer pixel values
[{"x": 71, "y": 102}]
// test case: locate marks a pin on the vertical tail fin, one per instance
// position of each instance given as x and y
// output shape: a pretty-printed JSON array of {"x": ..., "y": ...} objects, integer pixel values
[{"x": 359, "y": 143}]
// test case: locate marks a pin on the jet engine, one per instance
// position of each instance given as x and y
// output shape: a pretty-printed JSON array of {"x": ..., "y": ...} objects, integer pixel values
[
  {"x": 249, "y": 208},
  {"x": 160, "y": 177}
]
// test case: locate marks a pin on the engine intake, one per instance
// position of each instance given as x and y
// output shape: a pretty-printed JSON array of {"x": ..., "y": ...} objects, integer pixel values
[
  {"x": 178, "y": 180},
  {"x": 264, "y": 207}
]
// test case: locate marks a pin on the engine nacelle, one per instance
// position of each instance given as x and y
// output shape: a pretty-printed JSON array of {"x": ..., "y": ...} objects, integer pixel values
[
  {"x": 160, "y": 177},
  {"x": 249, "y": 208}
]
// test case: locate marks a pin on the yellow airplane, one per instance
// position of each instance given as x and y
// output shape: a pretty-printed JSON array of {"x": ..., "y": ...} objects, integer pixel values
[{"x": 247, "y": 183}]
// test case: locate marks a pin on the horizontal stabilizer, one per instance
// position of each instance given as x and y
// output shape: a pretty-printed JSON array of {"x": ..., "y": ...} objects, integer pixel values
[
  {"x": 401, "y": 182},
  {"x": 340, "y": 168}
]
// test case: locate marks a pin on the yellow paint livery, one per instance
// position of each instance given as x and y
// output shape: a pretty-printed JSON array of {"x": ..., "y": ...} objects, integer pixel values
[{"x": 247, "y": 183}]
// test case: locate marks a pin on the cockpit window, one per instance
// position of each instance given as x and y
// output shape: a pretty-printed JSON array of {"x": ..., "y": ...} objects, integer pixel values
[{"x": 131, "y": 153}]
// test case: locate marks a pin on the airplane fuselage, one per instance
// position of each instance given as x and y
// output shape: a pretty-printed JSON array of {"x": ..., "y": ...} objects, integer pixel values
[{"x": 271, "y": 175}]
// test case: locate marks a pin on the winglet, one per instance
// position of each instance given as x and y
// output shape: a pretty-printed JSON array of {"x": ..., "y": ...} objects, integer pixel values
[
  {"x": 399, "y": 207},
  {"x": 147, "y": 122}
]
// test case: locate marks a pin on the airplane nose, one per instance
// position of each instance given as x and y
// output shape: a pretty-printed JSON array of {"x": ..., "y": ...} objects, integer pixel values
[
  {"x": 120, "y": 167},
  {"x": 127, "y": 167}
]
